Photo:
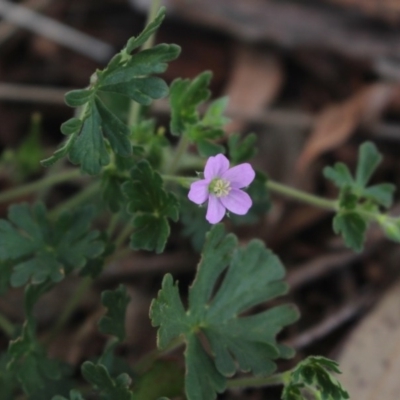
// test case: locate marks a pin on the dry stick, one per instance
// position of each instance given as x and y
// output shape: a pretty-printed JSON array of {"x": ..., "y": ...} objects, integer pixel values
[
  {"x": 344, "y": 314},
  {"x": 278, "y": 117},
  {"x": 8, "y": 29},
  {"x": 56, "y": 31}
]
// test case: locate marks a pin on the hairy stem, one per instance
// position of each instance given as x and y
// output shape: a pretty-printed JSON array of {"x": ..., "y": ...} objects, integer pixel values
[
  {"x": 69, "y": 308},
  {"x": 6, "y": 326},
  {"x": 302, "y": 196},
  {"x": 255, "y": 381},
  {"x": 147, "y": 360},
  {"x": 76, "y": 200},
  {"x": 38, "y": 185},
  {"x": 181, "y": 149}
]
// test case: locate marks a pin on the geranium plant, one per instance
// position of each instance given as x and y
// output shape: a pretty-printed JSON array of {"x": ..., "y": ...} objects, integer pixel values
[{"x": 138, "y": 174}]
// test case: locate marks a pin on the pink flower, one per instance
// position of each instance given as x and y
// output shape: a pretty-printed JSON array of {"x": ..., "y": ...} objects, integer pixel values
[{"x": 221, "y": 187}]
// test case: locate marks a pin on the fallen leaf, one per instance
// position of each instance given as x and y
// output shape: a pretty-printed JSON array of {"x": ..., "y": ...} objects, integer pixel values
[
  {"x": 370, "y": 360},
  {"x": 254, "y": 84},
  {"x": 338, "y": 122}
]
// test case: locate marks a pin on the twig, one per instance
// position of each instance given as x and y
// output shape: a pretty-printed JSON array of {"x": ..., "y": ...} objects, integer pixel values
[
  {"x": 56, "y": 31},
  {"x": 331, "y": 323}
]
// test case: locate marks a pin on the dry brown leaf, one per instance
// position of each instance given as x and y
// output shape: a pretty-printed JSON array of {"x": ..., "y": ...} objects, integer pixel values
[
  {"x": 254, "y": 84},
  {"x": 370, "y": 360},
  {"x": 338, "y": 122}
]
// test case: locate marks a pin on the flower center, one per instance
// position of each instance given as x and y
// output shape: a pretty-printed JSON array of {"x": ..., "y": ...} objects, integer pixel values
[{"x": 219, "y": 187}]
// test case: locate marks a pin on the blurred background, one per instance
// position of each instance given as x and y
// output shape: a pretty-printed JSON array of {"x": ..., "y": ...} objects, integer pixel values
[{"x": 312, "y": 78}]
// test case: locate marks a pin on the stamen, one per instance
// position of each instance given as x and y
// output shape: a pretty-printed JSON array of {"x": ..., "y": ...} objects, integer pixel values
[{"x": 219, "y": 187}]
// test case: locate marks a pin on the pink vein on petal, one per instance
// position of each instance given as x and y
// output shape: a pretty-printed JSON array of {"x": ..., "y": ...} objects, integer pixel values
[
  {"x": 199, "y": 191},
  {"x": 237, "y": 201},
  {"x": 216, "y": 166},
  {"x": 215, "y": 210},
  {"x": 240, "y": 176}
]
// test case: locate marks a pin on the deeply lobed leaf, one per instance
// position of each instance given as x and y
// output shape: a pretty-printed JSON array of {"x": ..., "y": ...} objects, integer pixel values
[
  {"x": 99, "y": 129},
  {"x": 40, "y": 249},
  {"x": 151, "y": 207},
  {"x": 253, "y": 276}
]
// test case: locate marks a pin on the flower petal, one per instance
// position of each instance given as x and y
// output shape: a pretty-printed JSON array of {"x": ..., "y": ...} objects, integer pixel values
[
  {"x": 240, "y": 176},
  {"x": 199, "y": 191},
  {"x": 215, "y": 210},
  {"x": 237, "y": 201},
  {"x": 216, "y": 166}
]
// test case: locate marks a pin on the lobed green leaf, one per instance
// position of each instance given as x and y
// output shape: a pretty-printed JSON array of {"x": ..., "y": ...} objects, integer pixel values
[
  {"x": 116, "y": 302},
  {"x": 253, "y": 276},
  {"x": 151, "y": 207}
]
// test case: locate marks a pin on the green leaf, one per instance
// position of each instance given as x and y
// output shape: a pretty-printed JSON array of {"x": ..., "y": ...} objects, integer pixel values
[
  {"x": 71, "y": 126},
  {"x": 353, "y": 227},
  {"x": 89, "y": 148},
  {"x": 185, "y": 97},
  {"x": 315, "y": 372},
  {"x": 339, "y": 175},
  {"x": 214, "y": 115},
  {"x": 40, "y": 249},
  {"x": 242, "y": 150},
  {"x": 73, "y": 395},
  {"x": 390, "y": 226},
  {"x": 148, "y": 31},
  {"x": 100, "y": 129},
  {"x": 254, "y": 275},
  {"x": 195, "y": 225},
  {"x": 30, "y": 363},
  {"x": 382, "y": 194},
  {"x": 293, "y": 392},
  {"x": 111, "y": 389},
  {"x": 79, "y": 97},
  {"x": 368, "y": 160},
  {"x": 151, "y": 206},
  {"x": 113, "y": 323},
  {"x": 115, "y": 131}
]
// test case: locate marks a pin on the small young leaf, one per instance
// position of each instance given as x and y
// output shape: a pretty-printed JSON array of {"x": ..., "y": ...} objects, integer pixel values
[
  {"x": 113, "y": 323},
  {"x": 111, "y": 389},
  {"x": 42, "y": 250},
  {"x": 148, "y": 31},
  {"x": 382, "y": 194},
  {"x": 368, "y": 160},
  {"x": 246, "y": 342},
  {"x": 315, "y": 372},
  {"x": 340, "y": 175},
  {"x": 151, "y": 206},
  {"x": 185, "y": 97},
  {"x": 242, "y": 150},
  {"x": 353, "y": 227},
  {"x": 73, "y": 395}
]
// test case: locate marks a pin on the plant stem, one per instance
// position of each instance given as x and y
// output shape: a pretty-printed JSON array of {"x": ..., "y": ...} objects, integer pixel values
[
  {"x": 75, "y": 200},
  {"x": 70, "y": 307},
  {"x": 119, "y": 241},
  {"x": 255, "y": 381},
  {"x": 6, "y": 326},
  {"x": 147, "y": 360},
  {"x": 302, "y": 196},
  {"x": 134, "y": 109},
  {"x": 181, "y": 149},
  {"x": 38, "y": 185}
]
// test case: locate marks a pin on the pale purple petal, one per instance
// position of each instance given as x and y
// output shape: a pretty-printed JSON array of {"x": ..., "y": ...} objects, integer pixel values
[
  {"x": 215, "y": 210},
  {"x": 237, "y": 201},
  {"x": 216, "y": 166},
  {"x": 240, "y": 176},
  {"x": 199, "y": 191}
]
